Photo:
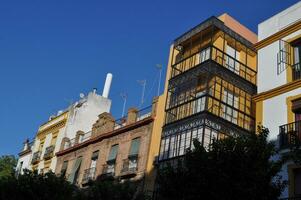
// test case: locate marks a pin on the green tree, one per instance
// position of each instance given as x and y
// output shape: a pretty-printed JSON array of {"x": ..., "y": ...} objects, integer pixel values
[
  {"x": 34, "y": 186},
  {"x": 7, "y": 166},
  {"x": 232, "y": 168},
  {"x": 113, "y": 189}
]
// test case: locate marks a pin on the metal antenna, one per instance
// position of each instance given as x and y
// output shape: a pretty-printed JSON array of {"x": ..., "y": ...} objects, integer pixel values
[
  {"x": 143, "y": 84},
  {"x": 124, "y": 98},
  {"x": 159, "y": 67}
]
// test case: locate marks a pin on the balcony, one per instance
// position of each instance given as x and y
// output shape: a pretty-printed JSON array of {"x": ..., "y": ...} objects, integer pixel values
[
  {"x": 296, "y": 70},
  {"x": 130, "y": 167},
  {"x": 49, "y": 152},
  {"x": 214, "y": 54},
  {"x": 108, "y": 169},
  {"x": 89, "y": 175},
  {"x": 36, "y": 157},
  {"x": 208, "y": 103},
  {"x": 289, "y": 134}
]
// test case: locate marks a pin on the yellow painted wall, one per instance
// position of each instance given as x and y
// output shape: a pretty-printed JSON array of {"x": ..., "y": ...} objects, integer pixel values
[{"x": 157, "y": 131}]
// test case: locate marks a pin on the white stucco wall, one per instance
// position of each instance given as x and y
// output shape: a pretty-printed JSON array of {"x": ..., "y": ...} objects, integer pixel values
[
  {"x": 82, "y": 115},
  {"x": 279, "y": 21},
  {"x": 275, "y": 112},
  {"x": 26, "y": 159},
  {"x": 267, "y": 56}
]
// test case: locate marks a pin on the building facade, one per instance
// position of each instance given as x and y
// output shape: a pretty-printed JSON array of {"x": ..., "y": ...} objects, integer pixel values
[
  {"x": 119, "y": 148},
  {"x": 211, "y": 79},
  {"x": 40, "y": 154},
  {"x": 79, "y": 116},
  {"x": 278, "y": 102},
  {"x": 24, "y": 160}
]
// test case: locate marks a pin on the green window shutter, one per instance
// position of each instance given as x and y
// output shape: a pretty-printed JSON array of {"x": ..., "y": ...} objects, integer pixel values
[
  {"x": 64, "y": 167},
  {"x": 113, "y": 153},
  {"x": 75, "y": 168},
  {"x": 135, "y": 147},
  {"x": 95, "y": 155}
]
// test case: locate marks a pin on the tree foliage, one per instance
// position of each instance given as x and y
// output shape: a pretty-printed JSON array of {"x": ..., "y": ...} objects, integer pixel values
[
  {"x": 232, "y": 168},
  {"x": 34, "y": 186},
  {"x": 7, "y": 166}
]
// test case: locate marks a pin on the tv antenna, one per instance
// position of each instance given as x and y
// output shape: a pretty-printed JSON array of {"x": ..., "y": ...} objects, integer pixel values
[
  {"x": 124, "y": 98},
  {"x": 143, "y": 84}
]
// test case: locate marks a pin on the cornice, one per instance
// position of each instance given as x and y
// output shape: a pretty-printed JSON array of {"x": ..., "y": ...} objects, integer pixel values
[
  {"x": 277, "y": 36},
  {"x": 277, "y": 91}
]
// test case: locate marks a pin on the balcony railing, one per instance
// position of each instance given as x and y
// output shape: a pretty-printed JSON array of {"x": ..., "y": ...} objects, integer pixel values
[
  {"x": 130, "y": 166},
  {"x": 81, "y": 139},
  {"x": 36, "y": 157},
  {"x": 89, "y": 175},
  {"x": 296, "y": 70},
  {"x": 220, "y": 57},
  {"x": 144, "y": 113},
  {"x": 49, "y": 152},
  {"x": 108, "y": 169},
  {"x": 289, "y": 134}
]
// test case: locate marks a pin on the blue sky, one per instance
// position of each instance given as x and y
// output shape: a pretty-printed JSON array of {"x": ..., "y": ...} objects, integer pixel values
[{"x": 50, "y": 51}]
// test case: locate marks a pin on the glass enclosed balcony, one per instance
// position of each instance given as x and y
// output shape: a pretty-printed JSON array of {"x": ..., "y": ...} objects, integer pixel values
[{"x": 211, "y": 53}]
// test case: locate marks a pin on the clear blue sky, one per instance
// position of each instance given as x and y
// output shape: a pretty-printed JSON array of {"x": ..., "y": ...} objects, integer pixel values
[{"x": 50, "y": 51}]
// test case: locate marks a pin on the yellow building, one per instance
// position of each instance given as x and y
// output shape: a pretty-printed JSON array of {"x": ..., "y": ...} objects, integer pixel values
[
  {"x": 278, "y": 102},
  {"x": 211, "y": 78}
]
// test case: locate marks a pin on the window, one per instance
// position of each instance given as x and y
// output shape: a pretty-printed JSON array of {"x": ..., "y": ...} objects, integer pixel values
[
  {"x": 75, "y": 170},
  {"x": 204, "y": 54},
  {"x": 94, "y": 159},
  {"x": 64, "y": 168},
  {"x": 231, "y": 63},
  {"x": 112, "y": 159},
  {"x": 134, "y": 151},
  {"x": 231, "y": 100}
]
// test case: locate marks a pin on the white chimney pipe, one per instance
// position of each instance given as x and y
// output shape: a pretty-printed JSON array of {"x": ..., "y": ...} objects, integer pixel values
[{"x": 107, "y": 86}]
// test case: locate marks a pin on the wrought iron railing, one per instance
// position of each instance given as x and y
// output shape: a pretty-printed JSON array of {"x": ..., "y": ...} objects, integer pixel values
[
  {"x": 213, "y": 105},
  {"x": 144, "y": 113},
  {"x": 49, "y": 152},
  {"x": 130, "y": 165},
  {"x": 108, "y": 169},
  {"x": 36, "y": 157},
  {"x": 220, "y": 57},
  {"x": 289, "y": 134},
  {"x": 89, "y": 175},
  {"x": 296, "y": 70}
]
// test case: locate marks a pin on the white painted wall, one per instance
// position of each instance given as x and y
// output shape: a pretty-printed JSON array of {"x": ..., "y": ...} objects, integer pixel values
[
  {"x": 279, "y": 21},
  {"x": 82, "y": 115},
  {"x": 267, "y": 56},
  {"x": 26, "y": 159},
  {"x": 275, "y": 112}
]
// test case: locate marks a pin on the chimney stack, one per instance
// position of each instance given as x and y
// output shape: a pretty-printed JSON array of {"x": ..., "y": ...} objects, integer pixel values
[{"x": 107, "y": 86}]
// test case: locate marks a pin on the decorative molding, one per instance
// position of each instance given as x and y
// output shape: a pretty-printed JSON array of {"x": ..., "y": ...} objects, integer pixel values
[
  {"x": 277, "y": 91},
  {"x": 277, "y": 36}
]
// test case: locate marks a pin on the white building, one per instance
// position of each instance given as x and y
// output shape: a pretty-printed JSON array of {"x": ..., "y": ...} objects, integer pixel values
[
  {"x": 278, "y": 103},
  {"x": 80, "y": 116}
]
